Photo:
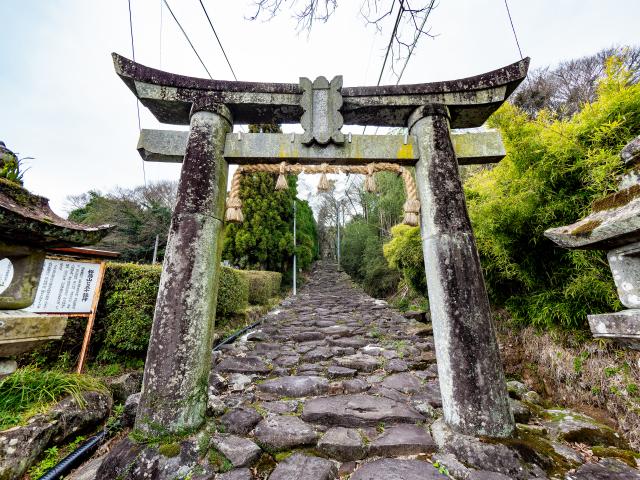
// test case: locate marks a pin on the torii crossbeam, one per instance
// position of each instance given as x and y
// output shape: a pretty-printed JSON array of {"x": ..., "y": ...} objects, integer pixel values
[{"x": 472, "y": 383}]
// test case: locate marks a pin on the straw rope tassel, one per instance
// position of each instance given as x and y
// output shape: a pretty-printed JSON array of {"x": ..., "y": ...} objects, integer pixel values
[
  {"x": 323, "y": 184},
  {"x": 370, "y": 181},
  {"x": 234, "y": 204},
  {"x": 281, "y": 183},
  {"x": 412, "y": 205}
]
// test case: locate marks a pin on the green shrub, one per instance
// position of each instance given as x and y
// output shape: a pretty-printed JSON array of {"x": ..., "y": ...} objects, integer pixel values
[
  {"x": 553, "y": 171},
  {"x": 404, "y": 253},
  {"x": 362, "y": 258},
  {"x": 125, "y": 312},
  {"x": 29, "y": 390},
  {"x": 263, "y": 285},
  {"x": 233, "y": 292}
]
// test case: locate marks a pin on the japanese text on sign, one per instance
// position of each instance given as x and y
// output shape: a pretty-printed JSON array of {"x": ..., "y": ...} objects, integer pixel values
[{"x": 66, "y": 287}]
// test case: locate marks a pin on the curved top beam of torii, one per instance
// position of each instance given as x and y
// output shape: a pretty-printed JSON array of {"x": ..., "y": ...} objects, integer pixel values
[{"x": 470, "y": 100}]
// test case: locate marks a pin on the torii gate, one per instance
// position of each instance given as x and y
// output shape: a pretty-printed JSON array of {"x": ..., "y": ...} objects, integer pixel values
[{"x": 472, "y": 383}]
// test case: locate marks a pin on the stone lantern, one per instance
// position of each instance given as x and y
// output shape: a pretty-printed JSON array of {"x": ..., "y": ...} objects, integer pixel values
[{"x": 28, "y": 227}]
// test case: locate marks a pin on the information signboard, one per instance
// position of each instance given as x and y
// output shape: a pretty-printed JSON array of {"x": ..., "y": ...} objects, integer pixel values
[
  {"x": 6, "y": 274},
  {"x": 66, "y": 287}
]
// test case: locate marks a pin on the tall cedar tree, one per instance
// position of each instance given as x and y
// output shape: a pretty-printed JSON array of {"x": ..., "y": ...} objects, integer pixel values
[{"x": 264, "y": 240}]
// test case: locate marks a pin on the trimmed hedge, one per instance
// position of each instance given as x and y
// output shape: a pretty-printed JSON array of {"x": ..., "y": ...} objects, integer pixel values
[
  {"x": 127, "y": 303},
  {"x": 233, "y": 292},
  {"x": 125, "y": 311},
  {"x": 263, "y": 285}
]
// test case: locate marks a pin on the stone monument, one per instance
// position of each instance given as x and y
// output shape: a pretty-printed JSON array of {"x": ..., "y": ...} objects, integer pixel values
[
  {"x": 472, "y": 382},
  {"x": 614, "y": 225}
]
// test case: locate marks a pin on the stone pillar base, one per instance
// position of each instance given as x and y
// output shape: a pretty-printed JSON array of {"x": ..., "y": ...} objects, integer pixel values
[{"x": 624, "y": 327}]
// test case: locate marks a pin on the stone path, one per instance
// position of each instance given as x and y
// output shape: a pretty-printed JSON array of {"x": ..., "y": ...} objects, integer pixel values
[
  {"x": 336, "y": 384},
  {"x": 334, "y": 371}
]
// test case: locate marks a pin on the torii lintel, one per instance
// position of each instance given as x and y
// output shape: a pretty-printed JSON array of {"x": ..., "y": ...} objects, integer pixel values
[{"x": 470, "y": 100}]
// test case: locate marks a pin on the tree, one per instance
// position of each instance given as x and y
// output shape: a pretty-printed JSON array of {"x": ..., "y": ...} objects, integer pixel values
[
  {"x": 139, "y": 215},
  {"x": 565, "y": 89},
  {"x": 264, "y": 240}
]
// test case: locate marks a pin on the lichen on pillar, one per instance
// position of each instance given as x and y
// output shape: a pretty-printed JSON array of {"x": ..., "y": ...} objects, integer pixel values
[
  {"x": 472, "y": 383},
  {"x": 179, "y": 355}
]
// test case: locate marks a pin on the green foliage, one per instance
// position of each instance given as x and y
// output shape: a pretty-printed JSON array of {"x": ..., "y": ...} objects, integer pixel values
[
  {"x": 218, "y": 461},
  {"x": 127, "y": 304},
  {"x": 262, "y": 285},
  {"x": 362, "y": 258},
  {"x": 125, "y": 311},
  {"x": 124, "y": 319},
  {"x": 52, "y": 457},
  {"x": 404, "y": 253},
  {"x": 49, "y": 460},
  {"x": 264, "y": 240},
  {"x": 10, "y": 166},
  {"x": 29, "y": 391},
  {"x": 233, "y": 292},
  {"x": 554, "y": 169},
  {"x": 307, "y": 247}
]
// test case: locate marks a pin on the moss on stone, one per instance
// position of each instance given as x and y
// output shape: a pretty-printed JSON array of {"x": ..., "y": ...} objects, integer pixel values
[
  {"x": 534, "y": 448},
  {"x": 218, "y": 461},
  {"x": 265, "y": 466},
  {"x": 616, "y": 200},
  {"x": 19, "y": 194},
  {"x": 170, "y": 450},
  {"x": 627, "y": 456},
  {"x": 280, "y": 456},
  {"x": 586, "y": 228}
]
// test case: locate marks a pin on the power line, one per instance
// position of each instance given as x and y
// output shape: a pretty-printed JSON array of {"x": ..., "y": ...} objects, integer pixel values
[
  {"x": 187, "y": 37},
  {"x": 513, "y": 28},
  {"x": 218, "y": 39},
  {"x": 393, "y": 34},
  {"x": 413, "y": 46},
  {"x": 386, "y": 55},
  {"x": 133, "y": 55}
]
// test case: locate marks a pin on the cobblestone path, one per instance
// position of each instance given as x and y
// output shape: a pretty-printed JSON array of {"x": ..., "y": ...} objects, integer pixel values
[
  {"x": 336, "y": 384},
  {"x": 334, "y": 376}
]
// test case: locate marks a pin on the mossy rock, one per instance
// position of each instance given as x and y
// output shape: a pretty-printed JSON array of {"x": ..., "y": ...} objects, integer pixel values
[
  {"x": 572, "y": 426},
  {"x": 170, "y": 450},
  {"x": 627, "y": 456},
  {"x": 218, "y": 462}
]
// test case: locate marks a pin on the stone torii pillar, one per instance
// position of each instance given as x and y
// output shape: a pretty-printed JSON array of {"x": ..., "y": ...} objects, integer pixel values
[
  {"x": 179, "y": 355},
  {"x": 474, "y": 394}
]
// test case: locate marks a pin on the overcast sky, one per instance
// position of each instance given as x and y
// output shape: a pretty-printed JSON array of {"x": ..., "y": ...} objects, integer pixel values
[{"x": 61, "y": 102}]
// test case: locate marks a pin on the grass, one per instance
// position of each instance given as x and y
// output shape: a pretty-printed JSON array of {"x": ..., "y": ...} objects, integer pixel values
[
  {"x": 30, "y": 391},
  {"x": 52, "y": 457}
]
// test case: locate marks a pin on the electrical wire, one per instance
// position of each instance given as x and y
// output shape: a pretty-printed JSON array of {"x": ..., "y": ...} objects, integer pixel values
[
  {"x": 187, "y": 38},
  {"x": 133, "y": 55},
  {"x": 513, "y": 28},
  {"x": 413, "y": 46},
  {"x": 218, "y": 39},
  {"x": 393, "y": 34},
  {"x": 386, "y": 55}
]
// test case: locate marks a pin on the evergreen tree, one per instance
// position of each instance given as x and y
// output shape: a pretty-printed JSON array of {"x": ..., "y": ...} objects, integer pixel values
[{"x": 264, "y": 240}]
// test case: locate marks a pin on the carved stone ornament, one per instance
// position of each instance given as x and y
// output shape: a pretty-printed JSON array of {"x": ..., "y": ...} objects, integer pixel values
[{"x": 321, "y": 102}]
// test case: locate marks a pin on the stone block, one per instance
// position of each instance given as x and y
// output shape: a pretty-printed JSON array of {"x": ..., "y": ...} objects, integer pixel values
[
  {"x": 622, "y": 326},
  {"x": 21, "y": 331}
]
